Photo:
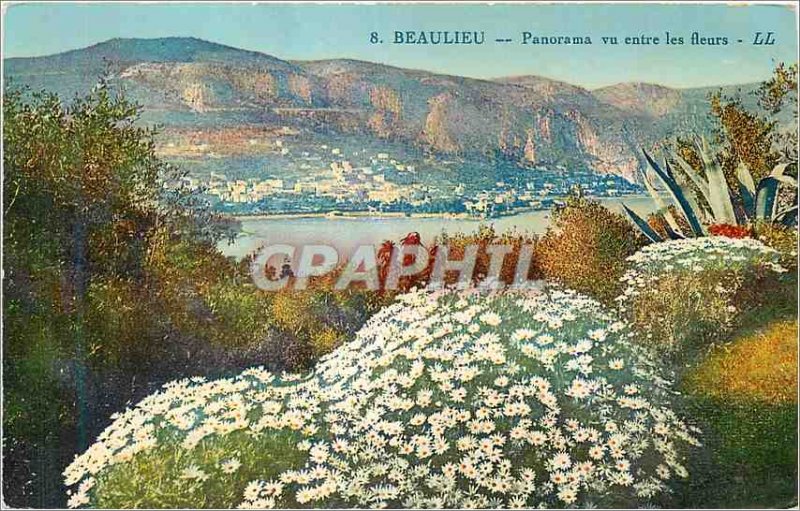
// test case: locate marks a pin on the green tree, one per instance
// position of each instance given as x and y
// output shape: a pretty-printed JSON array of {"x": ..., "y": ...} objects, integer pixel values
[
  {"x": 85, "y": 203},
  {"x": 756, "y": 137}
]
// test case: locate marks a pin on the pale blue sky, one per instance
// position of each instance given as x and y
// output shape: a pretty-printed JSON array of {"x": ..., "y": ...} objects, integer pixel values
[{"x": 309, "y": 31}]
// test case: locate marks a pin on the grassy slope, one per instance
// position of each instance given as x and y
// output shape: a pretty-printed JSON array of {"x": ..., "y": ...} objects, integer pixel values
[{"x": 751, "y": 460}]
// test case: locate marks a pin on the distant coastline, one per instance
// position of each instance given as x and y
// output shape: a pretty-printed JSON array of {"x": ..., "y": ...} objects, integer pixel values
[
  {"x": 399, "y": 214},
  {"x": 358, "y": 214}
]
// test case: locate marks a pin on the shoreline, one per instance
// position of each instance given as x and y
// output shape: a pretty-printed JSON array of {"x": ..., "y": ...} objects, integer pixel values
[
  {"x": 351, "y": 215},
  {"x": 347, "y": 215}
]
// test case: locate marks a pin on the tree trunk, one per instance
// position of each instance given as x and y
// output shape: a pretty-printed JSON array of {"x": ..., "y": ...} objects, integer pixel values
[{"x": 80, "y": 283}]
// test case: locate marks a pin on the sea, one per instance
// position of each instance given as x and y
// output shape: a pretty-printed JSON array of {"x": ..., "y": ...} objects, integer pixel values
[{"x": 345, "y": 233}]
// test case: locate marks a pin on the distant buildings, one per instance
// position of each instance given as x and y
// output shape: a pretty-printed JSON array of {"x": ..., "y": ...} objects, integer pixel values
[{"x": 320, "y": 179}]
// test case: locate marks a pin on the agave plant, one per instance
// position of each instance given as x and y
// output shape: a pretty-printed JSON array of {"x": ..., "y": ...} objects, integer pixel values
[{"x": 716, "y": 204}]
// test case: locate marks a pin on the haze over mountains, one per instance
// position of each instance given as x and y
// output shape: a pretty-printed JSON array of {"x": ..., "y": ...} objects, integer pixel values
[{"x": 192, "y": 82}]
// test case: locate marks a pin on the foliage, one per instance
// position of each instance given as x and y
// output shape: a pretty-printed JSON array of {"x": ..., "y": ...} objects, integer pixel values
[
  {"x": 204, "y": 295},
  {"x": 443, "y": 399},
  {"x": 165, "y": 478},
  {"x": 713, "y": 204},
  {"x": 317, "y": 320},
  {"x": 744, "y": 398},
  {"x": 750, "y": 460},
  {"x": 744, "y": 136},
  {"x": 686, "y": 294},
  {"x": 773, "y": 92},
  {"x": 112, "y": 269},
  {"x": 34, "y": 403},
  {"x": 753, "y": 137},
  {"x": 760, "y": 367},
  {"x": 75, "y": 193},
  {"x": 586, "y": 248},
  {"x": 224, "y": 307},
  {"x": 121, "y": 329},
  {"x": 739, "y": 182},
  {"x": 325, "y": 341},
  {"x": 781, "y": 238},
  {"x": 485, "y": 237},
  {"x": 78, "y": 182}
]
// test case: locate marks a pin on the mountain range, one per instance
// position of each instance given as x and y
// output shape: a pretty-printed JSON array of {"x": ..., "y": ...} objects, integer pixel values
[{"x": 192, "y": 82}]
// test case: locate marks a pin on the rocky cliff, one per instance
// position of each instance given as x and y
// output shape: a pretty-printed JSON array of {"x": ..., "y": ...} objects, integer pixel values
[{"x": 532, "y": 119}]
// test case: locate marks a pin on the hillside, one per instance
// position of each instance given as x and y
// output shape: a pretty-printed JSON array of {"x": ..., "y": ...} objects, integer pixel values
[{"x": 196, "y": 83}]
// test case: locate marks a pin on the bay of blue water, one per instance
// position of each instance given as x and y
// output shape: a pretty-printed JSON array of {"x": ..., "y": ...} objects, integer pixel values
[{"x": 346, "y": 233}]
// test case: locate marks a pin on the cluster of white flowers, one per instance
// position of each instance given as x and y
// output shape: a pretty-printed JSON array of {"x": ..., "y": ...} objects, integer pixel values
[
  {"x": 695, "y": 255},
  {"x": 445, "y": 399}
]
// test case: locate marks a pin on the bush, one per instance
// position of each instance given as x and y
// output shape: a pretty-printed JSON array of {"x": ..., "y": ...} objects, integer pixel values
[
  {"x": 586, "y": 248},
  {"x": 442, "y": 400},
  {"x": 687, "y": 294},
  {"x": 120, "y": 320},
  {"x": 38, "y": 410},
  {"x": 204, "y": 294},
  {"x": 483, "y": 238},
  {"x": 208, "y": 296},
  {"x": 760, "y": 367},
  {"x": 316, "y": 321},
  {"x": 325, "y": 341},
  {"x": 781, "y": 238}
]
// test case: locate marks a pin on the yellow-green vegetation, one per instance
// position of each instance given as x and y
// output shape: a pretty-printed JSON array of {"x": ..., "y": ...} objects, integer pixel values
[
  {"x": 759, "y": 367},
  {"x": 781, "y": 238},
  {"x": 313, "y": 322},
  {"x": 113, "y": 281},
  {"x": 586, "y": 248},
  {"x": 170, "y": 477},
  {"x": 743, "y": 396},
  {"x": 451, "y": 399},
  {"x": 120, "y": 325},
  {"x": 326, "y": 340},
  {"x": 685, "y": 295}
]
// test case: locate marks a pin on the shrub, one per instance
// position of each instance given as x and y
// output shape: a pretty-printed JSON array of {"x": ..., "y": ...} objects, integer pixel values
[
  {"x": 206, "y": 295},
  {"x": 122, "y": 328},
  {"x": 325, "y": 341},
  {"x": 586, "y": 248},
  {"x": 442, "y": 400},
  {"x": 781, "y": 238},
  {"x": 690, "y": 293},
  {"x": 760, "y": 367},
  {"x": 318, "y": 319},
  {"x": 238, "y": 313},
  {"x": 290, "y": 310},
  {"x": 483, "y": 238},
  {"x": 292, "y": 352}
]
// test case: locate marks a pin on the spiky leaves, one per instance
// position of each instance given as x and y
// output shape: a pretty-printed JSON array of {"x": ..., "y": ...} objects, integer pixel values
[{"x": 678, "y": 195}]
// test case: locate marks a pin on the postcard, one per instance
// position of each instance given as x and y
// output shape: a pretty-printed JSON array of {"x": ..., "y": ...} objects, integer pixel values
[{"x": 399, "y": 255}]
